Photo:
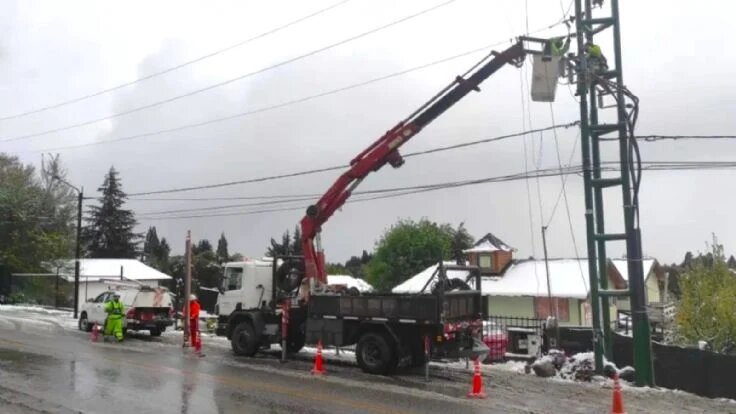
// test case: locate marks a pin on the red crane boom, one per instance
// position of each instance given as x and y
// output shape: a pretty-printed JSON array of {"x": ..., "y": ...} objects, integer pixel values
[{"x": 385, "y": 150}]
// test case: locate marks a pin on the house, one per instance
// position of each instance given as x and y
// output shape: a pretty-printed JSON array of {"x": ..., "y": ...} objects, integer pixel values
[
  {"x": 518, "y": 288},
  {"x": 655, "y": 280},
  {"x": 98, "y": 275},
  {"x": 659, "y": 306},
  {"x": 521, "y": 291},
  {"x": 490, "y": 254}
]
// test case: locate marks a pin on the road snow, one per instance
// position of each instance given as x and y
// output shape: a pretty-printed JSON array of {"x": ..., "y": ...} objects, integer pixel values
[{"x": 505, "y": 382}]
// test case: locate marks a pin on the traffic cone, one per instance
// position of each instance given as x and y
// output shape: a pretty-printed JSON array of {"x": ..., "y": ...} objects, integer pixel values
[
  {"x": 477, "y": 391},
  {"x": 94, "y": 334},
  {"x": 618, "y": 403},
  {"x": 318, "y": 368}
]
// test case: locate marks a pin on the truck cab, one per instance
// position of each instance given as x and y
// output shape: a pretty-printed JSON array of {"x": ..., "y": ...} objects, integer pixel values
[{"x": 246, "y": 285}]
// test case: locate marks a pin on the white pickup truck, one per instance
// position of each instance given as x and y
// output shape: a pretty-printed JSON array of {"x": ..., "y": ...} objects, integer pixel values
[{"x": 146, "y": 309}]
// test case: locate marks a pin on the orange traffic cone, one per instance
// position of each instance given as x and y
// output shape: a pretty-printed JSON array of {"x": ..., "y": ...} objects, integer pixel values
[
  {"x": 477, "y": 391},
  {"x": 95, "y": 333},
  {"x": 618, "y": 403},
  {"x": 318, "y": 368}
]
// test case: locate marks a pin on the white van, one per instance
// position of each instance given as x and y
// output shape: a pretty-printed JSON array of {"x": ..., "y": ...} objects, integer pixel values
[{"x": 146, "y": 309}]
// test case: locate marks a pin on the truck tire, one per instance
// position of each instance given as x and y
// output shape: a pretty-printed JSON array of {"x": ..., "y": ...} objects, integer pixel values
[
  {"x": 376, "y": 354},
  {"x": 155, "y": 331},
  {"x": 84, "y": 324},
  {"x": 295, "y": 340},
  {"x": 418, "y": 358},
  {"x": 243, "y": 340}
]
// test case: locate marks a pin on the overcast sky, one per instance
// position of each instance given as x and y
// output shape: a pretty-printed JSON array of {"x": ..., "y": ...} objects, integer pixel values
[{"x": 674, "y": 60}]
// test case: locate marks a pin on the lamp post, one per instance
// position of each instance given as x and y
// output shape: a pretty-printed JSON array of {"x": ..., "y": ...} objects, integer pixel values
[{"x": 78, "y": 250}]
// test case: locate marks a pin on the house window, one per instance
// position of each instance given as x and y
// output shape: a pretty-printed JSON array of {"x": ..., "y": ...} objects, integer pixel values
[
  {"x": 542, "y": 308},
  {"x": 485, "y": 261}
]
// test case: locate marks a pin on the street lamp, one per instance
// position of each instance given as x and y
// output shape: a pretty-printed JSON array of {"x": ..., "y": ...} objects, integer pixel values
[{"x": 78, "y": 252}]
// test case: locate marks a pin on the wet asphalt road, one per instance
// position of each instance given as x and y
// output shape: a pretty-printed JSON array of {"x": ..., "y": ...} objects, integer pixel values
[
  {"x": 44, "y": 368},
  {"x": 49, "y": 368}
]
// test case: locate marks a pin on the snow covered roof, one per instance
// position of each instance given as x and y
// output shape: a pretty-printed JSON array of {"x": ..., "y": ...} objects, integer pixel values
[
  {"x": 417, "y": 282},
  {"x": 623, "y": 268},
  {"x": 489, "y": 243},
  {"x": 93, "y": 270},
  {"x": 568, "y": 279},
  {"x": 350, "y": 282}
]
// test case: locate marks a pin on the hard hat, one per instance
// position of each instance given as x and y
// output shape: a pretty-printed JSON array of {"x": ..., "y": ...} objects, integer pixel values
[
  {"x": 192, "y": 297},
  {"x": 116, "y": 295}
]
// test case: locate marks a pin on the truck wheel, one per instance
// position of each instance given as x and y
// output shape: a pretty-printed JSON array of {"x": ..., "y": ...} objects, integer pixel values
[
  {"x": 243, "y": 340},
  {"x": 84, "y": 324},
  {"x": 295, "y": 340},
  {"x": 376, "y": 354},
  {"x": 155, "y": 331}
]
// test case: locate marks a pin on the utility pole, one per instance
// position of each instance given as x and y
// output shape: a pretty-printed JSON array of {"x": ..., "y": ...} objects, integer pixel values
[
  {"x": 187, "y": 285},
  {"x": 553, "y": 309},
  {"x": 78, "y": 249},
  {"x": 56, "y": 299},
  {"x": 590, "y": 77}
]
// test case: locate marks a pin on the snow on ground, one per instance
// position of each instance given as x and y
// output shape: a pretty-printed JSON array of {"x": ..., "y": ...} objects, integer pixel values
[
  {"x": 45, "y": 316},
  {"x": 38, "y": 314}
]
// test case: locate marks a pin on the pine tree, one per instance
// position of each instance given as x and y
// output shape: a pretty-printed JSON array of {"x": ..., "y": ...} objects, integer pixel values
[
  {"x": 296, "y": 246},
  {"x": 202, "y": 246},
  {"x": 161, "y": 255},
  {"x": 461, "y": 240},
  {"x": 222, "y": 253},
  {"x": 109, "y": 232},
  {"x": 366, "y": 257},
  {"x": 280, "y": 249},
  {"x": 150, "y": 246}
]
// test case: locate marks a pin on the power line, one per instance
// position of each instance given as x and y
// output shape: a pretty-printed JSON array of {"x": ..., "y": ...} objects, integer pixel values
[
  {"x": 176, "y": 67},
  {"x": 653, "y": 138},
  {"x": 408, "y": 190},
  {"x": 286, "y": 103},
  {"x": 566, "y": 171},
  {"x": 402, "y": 191},
  {"x": 564, "y": 182},
  {"x": 268, "y": 107},
  {"x": 238, "y": 78},
  {"x": 338, "y": 167},
  {"x": 564, "y": 196}
]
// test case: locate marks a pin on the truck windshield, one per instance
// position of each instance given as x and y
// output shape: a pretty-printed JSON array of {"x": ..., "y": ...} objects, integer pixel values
[{"x": 233, "y": 278}]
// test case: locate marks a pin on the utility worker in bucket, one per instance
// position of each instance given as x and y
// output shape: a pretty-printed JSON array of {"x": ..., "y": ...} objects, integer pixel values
[{"x": 114, "y": 323}]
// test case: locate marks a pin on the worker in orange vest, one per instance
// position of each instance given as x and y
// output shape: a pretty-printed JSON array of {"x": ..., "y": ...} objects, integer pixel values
[{"x": 194, "y": 308}]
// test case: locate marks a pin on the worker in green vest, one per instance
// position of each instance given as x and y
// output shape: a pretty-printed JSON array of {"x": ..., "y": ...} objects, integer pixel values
[
  {"x": 559, "y": 45},
  {"x": 596, "y": 61},
  {"x": 115, "y": 310}
]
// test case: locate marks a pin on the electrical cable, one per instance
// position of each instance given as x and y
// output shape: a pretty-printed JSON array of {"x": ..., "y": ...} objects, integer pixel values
[
  {"x": 231, "y": 80},
  {"x": 282, "y": 104},
  {"x": 176, "y": 67},
  {"x": 401, "y": 191},
  {"x": 337, "y": 167}
]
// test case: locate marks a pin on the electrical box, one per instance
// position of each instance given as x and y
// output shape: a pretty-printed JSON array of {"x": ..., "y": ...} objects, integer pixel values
[{"x": 545, "y": 71}]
